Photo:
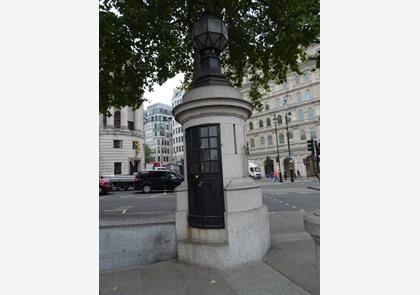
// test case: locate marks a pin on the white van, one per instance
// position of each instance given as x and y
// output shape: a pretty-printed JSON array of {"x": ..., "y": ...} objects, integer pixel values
[{"x": 254, "y": 171}]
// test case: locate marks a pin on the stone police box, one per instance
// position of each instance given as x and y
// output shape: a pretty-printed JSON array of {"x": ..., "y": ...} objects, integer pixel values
[{"x": 221, "y": 220}]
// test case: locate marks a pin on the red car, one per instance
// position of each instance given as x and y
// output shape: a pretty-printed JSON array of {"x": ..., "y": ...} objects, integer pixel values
[{"x": 104, "y": 186}]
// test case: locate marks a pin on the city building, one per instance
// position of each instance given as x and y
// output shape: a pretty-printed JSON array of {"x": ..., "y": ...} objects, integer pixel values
[
  {"x": 299, "y": 96},
  {"x": 121, "y": 142},
  {"x": 177, "y": 132},
  {"x": 158, "y": 132}
]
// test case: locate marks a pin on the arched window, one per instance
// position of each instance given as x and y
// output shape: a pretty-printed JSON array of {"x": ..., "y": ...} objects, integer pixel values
[
  {"x": 262, "y": 141},
  {"x": 297, "y": 80},
  {"x": 313, "y": 133},
  {"x": 268, "y": 122},
  {"x": 104, "y": 120},
  {"x": 117, "y": 119},
  {"x": 299, "y": 97},
  {"x": 280, "y": 119},
  {"x": 281, "y": 138},
  {"x": 302, "y": 134},
  {"x": 308, "y": 95},
  {"x": 251, "y": 126},
  {"x": 267, "y": 106},
  {"x": 290, "y": 135},
  {"x": 310, "y": 112},
  {"x": 300, "y": 115},
  {"x": 270, "y": 140},
  {"x": 261, "y": 123},
  {"x": 252, "y": 142}
]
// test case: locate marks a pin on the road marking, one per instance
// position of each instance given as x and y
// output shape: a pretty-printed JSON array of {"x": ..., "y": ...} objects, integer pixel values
[
  {"x": 126, "y": 196},
  {"x": 121, "y": 208},
  {"x": 293, "y": 207},
  {"x": 154, "y": 196},
  {"x": 304, "y": 192},
  {"x": 287, "y": 204}
]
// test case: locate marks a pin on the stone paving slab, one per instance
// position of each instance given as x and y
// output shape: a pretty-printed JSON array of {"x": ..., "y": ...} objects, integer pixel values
[
  {"x": 287, "y": 269},
  {"x": 259, "y": 278},
  {"x": 296, "y": 261},
  {"x": 177, "y": 278}
]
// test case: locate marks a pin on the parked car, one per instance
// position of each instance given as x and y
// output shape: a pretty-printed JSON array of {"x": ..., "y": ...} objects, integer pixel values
[
  {"x": 156, "y": 180},
  {"x": 120, "y": 182},
  {"x": 104, "y": 186}
]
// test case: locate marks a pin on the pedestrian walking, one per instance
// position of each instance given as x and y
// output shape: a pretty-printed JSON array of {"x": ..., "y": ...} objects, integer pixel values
[
  {"x": 285, "y": 175},
  {"x": 298, "y": 172},
  {"x": 276, "y": 176}
]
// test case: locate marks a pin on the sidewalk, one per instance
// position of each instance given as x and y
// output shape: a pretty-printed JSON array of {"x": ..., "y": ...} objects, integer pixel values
[{"x": 288, "y": 268}]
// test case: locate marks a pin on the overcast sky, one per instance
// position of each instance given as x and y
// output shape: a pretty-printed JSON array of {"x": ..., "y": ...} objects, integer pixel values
[{"x": 163, "y": 93}]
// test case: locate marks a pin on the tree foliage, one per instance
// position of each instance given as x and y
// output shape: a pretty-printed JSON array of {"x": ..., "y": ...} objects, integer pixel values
[
  {"x": 143, "y": 42},
  {"x": 147, "y": 153}
]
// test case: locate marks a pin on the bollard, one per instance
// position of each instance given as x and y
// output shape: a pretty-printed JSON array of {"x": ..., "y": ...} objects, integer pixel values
[{"x": 311, "y": 223}]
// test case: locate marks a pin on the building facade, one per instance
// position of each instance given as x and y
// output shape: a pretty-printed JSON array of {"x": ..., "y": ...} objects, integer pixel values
[
  {"x": 177, "y": 132},
  {"x": 158, "y": 132},
  {"x": 299, "y": 96},
  {"x": 121, "y": 142}
]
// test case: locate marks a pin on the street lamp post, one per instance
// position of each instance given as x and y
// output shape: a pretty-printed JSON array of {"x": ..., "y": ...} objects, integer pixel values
[
  {"x": 292, "y": 178},
  {"x": 276, "y": 119}
]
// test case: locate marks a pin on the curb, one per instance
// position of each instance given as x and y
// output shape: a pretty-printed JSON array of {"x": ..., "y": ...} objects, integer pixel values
[{"x": 313, "y": 187}]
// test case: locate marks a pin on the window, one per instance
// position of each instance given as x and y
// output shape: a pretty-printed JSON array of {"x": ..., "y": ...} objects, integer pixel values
[
  {"x": 134, "y": 145},
  {"x": 267, "y": 107},
  {"x": 313, "y": 133},
  {"x": 302, "y": 134},
  {"x": 306, "y": 77},
  {"x": 117, "y": 168},
  {"x": 280, "y": 118},
  {"x": 268, "y": 122},
  {"x": 261, "y": 124},
  {"x": 252, "y": 142},
  {"x": 130, "y": 125},
  {"x": 117, "y": 119},
  {"x": 262, "y": 140},
  {"x": 281, "y": 138},
  {"x": 277, "y": 103},
  {"x": 117, "y": 144},
  {"x": 286, "y": 100},
  {"x": 104, "y": 120},
  {"x": 290, "y": 135},
  {"x": 270, "y": 140},
  {"x": 297, "y": 80},
  {"x": 251, "y": 126},
  {"x": 310, "y": 112},
  {"x": 301, "y": 115},
  {"x": 308, "y": 95},
  {"x": 299, "y": 97}
]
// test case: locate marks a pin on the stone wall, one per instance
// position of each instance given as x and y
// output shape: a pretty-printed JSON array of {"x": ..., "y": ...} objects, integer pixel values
[{"x": 130, "y": 241}]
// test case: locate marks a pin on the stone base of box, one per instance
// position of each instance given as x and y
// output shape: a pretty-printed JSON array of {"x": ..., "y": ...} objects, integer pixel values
[{"x": 247, "y": 240}]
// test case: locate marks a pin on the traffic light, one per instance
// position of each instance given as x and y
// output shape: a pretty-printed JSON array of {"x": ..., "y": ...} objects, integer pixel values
[{"x": 311, "y": 146}]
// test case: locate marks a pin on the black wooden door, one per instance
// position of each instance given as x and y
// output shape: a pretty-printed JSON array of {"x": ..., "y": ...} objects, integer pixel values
[{"x": 205, "y": 178}]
